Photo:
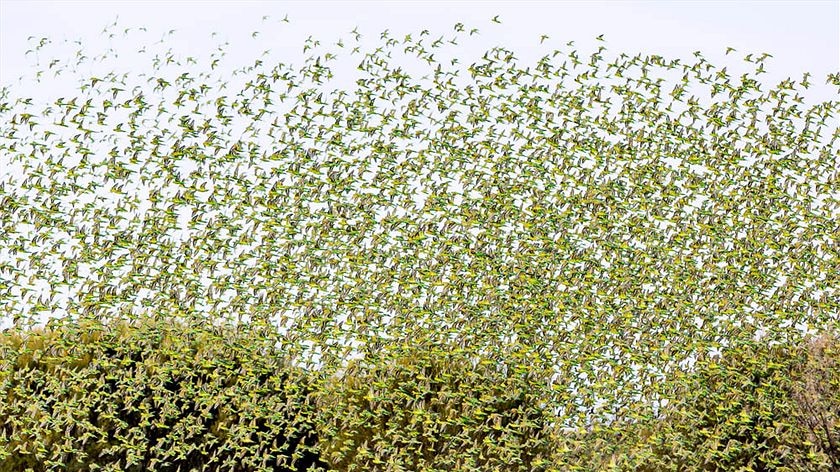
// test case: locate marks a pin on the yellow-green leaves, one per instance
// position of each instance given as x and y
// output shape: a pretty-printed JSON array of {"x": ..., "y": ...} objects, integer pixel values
[{"x": 149, "y": 396}]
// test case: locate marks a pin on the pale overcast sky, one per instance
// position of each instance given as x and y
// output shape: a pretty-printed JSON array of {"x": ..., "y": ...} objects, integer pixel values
[{"x": 802, "y": 35}]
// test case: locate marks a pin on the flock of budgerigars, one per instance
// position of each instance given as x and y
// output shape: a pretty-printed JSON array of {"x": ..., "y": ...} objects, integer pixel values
[{"x": 604, "y": 219}]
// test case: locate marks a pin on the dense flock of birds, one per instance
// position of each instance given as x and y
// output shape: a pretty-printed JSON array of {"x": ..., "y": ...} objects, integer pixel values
[{"x": 600, "y": 220}]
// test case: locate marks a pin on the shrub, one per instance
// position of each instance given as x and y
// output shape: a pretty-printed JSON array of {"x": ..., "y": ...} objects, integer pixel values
[
  {"x": 817, "y": 396},
  {"x": 148, "y": 396},
  {"x": 431, "y": 410},
  {"x": 756, "y": 408}
]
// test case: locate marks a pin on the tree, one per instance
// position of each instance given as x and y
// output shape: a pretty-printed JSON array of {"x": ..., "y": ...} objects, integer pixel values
[{"x": 755, "y": 408}]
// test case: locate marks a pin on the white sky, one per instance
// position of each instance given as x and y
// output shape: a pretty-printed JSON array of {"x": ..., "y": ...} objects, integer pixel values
[{"x": 802, "y": 35}]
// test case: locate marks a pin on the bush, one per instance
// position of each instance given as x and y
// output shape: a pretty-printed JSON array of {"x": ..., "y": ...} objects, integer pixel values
[
  {"x": 756, "y": 408},
  {"x": 817, "y": 396},
  {"x": 428, "y": 409},
  {"x": 148, "y": 396}
]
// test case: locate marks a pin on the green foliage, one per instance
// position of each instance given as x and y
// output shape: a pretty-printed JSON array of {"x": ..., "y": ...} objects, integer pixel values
[
  {"x": 429, "y": 408},
  {"x": 151, "y": 396},
  {"x": 817, "y": 396},
  {"x": 749, "y": 410}
]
